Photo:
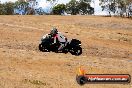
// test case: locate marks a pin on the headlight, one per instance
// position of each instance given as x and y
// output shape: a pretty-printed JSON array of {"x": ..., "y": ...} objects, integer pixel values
[{"x": 79, "y": 44}]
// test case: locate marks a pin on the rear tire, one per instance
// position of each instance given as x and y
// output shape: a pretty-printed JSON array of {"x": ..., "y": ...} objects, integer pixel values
[{"x": 42, "y": 48}]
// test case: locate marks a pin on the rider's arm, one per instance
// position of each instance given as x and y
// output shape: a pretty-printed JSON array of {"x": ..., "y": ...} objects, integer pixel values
[{"x": 55, "y": 38}]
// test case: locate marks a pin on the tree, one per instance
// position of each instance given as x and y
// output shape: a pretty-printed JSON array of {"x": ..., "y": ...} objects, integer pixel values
[
  {"x": 72, "y": 7},
  {"x": 128, "y": 6},
  {"x": 79, "y": 7},
  {"x": 30, "y": 11},
  {"x": 114, "y": 6},
  {"x": 22, "y": 6},
  {"x": 57, "y": 10},
  {"x": 7, "y": 8},
  {"x": 108, "y": 5},
  {"x": 2, "y": 11},
  {"x": 53, "y": 3},
  {"x": 85, "y": 8}
]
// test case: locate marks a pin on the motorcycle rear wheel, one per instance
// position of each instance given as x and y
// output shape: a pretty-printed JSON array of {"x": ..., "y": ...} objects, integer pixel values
[{"x": 42, "y": 48}]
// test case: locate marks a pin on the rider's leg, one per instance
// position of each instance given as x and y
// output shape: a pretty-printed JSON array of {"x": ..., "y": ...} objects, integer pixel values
[{"x": 62, "y": 45}]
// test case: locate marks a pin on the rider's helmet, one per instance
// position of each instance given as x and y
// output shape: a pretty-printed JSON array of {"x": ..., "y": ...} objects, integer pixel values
[{"x": 53, "y": 31}]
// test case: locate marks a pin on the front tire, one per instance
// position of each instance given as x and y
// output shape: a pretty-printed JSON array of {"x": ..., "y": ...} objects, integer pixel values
[{"x": 76, "y": 51}]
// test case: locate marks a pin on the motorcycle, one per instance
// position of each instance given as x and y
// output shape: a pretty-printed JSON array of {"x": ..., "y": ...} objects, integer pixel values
[{"x": 73, "y": 46}]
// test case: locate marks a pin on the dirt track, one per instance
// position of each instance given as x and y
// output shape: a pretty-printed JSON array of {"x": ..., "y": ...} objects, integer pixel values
[{"x": 106, "y": 42}]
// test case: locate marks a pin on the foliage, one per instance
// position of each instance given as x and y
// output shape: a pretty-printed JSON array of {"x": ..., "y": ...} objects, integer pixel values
[
  {"x": 2, "y": 11},
  {"x": 108, "y": 5},
  {"x": 115, "y": 5},
  {"x": 57, "y": 10},
  {"x": 7, "y": 8},
  {"x": 85, "y": 8},
  {"x": 20, "y": 3},
  {"x": 79, "y": 7},
  {"x": 72, "y": 7}
]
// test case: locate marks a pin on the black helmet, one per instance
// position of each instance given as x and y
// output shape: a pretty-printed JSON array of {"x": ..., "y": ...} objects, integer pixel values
[{"x": 53, "y": 31}]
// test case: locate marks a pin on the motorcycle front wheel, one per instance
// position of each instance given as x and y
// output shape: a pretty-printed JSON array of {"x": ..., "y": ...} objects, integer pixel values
[{"x": 76, "y": 51}]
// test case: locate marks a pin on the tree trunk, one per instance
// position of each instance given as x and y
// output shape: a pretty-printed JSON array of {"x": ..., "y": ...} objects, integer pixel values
[{"x": 109, "y": 14}]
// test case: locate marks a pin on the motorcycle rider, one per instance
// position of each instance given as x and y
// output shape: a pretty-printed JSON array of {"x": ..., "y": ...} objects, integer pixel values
[{"x": 58, "y": 38}]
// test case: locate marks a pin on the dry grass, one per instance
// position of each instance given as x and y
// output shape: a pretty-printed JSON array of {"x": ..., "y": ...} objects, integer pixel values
[{"x": 106, "y": 42}]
